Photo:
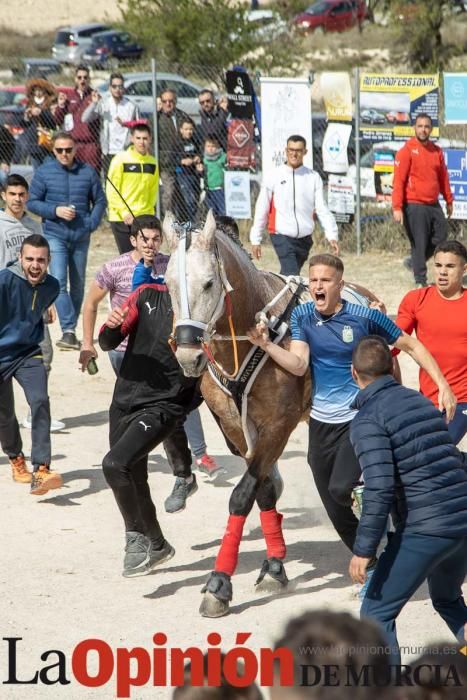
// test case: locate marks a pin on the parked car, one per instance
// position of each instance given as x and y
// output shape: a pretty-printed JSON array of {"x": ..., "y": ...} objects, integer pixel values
[
  {"x": 267, "y": 24},
  {"x": 331, "y": 16},
  {"x": 398, "y": 117},
  {"x": 372, "y": 116},
  {"x": 138, "y": 87},
  {"x": 71, "y": 42},
  {"x": 37, "y": 68},
  {"x": 107, "y": 48},
  {"x": 12, "y": 95}
]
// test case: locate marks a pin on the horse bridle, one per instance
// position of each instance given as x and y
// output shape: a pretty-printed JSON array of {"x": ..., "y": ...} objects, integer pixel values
[{"x": 188, "y": 331}]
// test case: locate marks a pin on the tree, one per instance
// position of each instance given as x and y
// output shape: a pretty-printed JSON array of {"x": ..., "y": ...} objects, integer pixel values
[
  {"x": 199, "y": 32},
  {"x": 418, "y": 26}
]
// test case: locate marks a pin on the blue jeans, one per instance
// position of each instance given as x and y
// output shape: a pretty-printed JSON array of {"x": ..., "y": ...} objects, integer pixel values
[
  {"x": 68, "y": 263},
  {"x": 215, "y": 200},
  {"x": 188, "y": 184},
  {"x": 458, "y": 425},
  {"x": 407, "y": 561}
]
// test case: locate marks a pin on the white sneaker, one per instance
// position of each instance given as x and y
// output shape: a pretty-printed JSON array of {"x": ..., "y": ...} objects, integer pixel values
[{"x": 55, "y": 425}]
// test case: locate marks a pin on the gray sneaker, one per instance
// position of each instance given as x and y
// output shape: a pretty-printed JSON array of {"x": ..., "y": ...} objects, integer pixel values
[
  {"x": 180, "y": 492},
  {"x": 159, "y": 556},
  {"x": 136, "y": 554},
  {"x": 68, "y": 341}
]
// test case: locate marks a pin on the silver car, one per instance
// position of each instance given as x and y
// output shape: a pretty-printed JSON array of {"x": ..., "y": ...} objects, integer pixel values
[
  {"x": 138, "y": 87},
  {"x": 71, "y": 42}
]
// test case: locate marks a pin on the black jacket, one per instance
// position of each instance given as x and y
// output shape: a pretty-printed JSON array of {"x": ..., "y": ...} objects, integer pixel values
[
  {"x": 168, "y": 134},
  {"x": 410, "y": 466},
  {"x": 150, "y": 374}
]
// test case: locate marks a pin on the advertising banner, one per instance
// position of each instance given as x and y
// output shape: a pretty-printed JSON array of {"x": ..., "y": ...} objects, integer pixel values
[
  {"x": 241, "y": 151},
  {"x": 337, "y": 96},
  {"x": 335, "y": 142},
  {"x": 456, "y": 161},
  {"x": 341, "y": 198},
  {"x": 239, "y": 94},
  {"x": 389, "y": 105},
  {"x": 286, "y": 110},
  {"x": 455, "y": 98},
  {"x": 237, "y": 194}
]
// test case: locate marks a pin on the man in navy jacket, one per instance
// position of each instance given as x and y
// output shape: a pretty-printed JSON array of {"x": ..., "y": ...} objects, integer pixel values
[
  {"x": 26, "y": 292},
  {"x": 68, "y": 195},
  {"x": 413, "y": 471}
]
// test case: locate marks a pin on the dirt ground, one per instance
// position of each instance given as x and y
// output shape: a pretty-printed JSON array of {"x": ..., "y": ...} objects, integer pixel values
[{"x": 61, "y": 554}]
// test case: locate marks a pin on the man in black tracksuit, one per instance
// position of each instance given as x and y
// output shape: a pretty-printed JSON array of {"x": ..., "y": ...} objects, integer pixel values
[{"x": 151, "y": 397}]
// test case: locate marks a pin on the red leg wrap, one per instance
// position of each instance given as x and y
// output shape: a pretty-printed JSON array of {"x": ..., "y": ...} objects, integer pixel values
[
  {"x": 271, "y": 524},
  {"x": 228, "y": 554}
]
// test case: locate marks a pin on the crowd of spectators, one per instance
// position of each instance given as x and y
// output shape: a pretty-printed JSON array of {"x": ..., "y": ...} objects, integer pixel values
[{"x": 191, "y": 157}]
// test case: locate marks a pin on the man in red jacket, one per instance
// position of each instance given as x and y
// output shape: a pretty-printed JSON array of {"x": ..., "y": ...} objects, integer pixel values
[
  {"x": 69, "y": 117},
  {"x": 420, "y": 176}
]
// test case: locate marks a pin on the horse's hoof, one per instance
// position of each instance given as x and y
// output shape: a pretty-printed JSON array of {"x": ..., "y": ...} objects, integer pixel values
[
  {"x": 212, "y": 606},
  {"x": 217, "y": 595},
  {"x": 272, "y": 577}
]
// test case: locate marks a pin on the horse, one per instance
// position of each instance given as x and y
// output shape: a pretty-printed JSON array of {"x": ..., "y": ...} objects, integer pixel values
[{"x": 216, "y": 294}]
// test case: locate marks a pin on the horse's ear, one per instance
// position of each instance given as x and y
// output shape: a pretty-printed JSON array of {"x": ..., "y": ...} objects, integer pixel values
[
  {"x": 206, "y": 239},
  {"x": 169, "y": 231}
]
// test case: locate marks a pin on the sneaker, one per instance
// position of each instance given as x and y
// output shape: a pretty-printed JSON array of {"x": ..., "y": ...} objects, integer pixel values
[
  {"x": 55, "y": 425},
  {"x": 136, "y": 554},
  {"x": 19, "y": 469},
  {"x": 181, "y": 491},
  {"x": 159, "y": 556},
  {"x": 44, "y": 480},
  {"x": 68, "y": 341},
  {"x": 407, "y": 263},
  {"x": 208, "y": 466}
]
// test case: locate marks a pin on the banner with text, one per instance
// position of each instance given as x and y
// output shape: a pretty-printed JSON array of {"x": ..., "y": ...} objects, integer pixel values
[
  {"x": 237, "y": 194},
  {"x": 455, "y": 98},
  {"x": 456, "y": 162},
  {"x": 389, "y": 105},
  {"x": 286, "y": 110},
  {"x": 337, "y": 96},
  {"x": 335, "y": 143}
]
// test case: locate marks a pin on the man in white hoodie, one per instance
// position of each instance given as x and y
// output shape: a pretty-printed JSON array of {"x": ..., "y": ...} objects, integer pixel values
[{"x": 289, "y": 198}]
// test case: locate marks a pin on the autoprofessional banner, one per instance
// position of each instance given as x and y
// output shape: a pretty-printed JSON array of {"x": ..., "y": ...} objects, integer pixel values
[
  {"x": 286, "y": 110},
  {"x": 455, "y": 98},
  {"x": 389, "y": 105},
  {"x": 337, "y": 96},
  {"x": 456, "y": 161}
]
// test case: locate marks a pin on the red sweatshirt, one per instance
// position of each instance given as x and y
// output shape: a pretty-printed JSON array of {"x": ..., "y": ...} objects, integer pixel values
[{"x": 420, "y": 175}]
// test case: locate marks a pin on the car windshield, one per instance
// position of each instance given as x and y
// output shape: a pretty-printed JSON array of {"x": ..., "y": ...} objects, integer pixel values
[
  {"x": 317, "y": 9},
  {"x": 122, "y": 38},
  {"x": 7, "y": 97}
]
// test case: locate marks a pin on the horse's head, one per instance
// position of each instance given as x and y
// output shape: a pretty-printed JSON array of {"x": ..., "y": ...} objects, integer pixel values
[{"x": 196, "y": 284}]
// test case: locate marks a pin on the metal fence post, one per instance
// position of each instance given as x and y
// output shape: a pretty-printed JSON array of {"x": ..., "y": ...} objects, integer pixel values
[
  {"x": 155, "y": 126},
  {"x": 358, "y": 203}
]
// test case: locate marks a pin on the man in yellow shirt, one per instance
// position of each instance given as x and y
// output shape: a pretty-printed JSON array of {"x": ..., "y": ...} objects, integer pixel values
[{"x": 132, "y": 185}]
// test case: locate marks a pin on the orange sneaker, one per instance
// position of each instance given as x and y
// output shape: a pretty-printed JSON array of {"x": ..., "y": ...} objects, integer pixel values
[
  {"x": 19, "y": 469},
  {"x": 44, "y": 480}
]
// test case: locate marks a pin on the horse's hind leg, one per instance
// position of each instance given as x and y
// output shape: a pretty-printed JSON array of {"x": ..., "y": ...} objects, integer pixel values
[
  {"x": 272, "y": 577},
  {"x": 218, "y": 588}
]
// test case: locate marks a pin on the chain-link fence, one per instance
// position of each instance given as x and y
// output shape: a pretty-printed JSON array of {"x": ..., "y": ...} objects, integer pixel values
[{"x": 189, "y": 122}]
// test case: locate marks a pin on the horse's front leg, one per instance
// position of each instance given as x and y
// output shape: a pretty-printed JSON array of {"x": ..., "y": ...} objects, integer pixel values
[
  {"x": 218, "y": 589},
  {"x": 272, "y": 577}
]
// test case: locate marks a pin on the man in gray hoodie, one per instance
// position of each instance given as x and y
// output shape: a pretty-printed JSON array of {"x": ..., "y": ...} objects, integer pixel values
[{"x": 15, "y": 226}]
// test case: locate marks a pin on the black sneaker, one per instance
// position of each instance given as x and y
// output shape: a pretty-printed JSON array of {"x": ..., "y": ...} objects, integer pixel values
[
  {"x": 181, "y": 491},
  {"x": 159, "y": 556},
  {"x": 68, "y": 341},
  {"x": 136, "y": 554}
]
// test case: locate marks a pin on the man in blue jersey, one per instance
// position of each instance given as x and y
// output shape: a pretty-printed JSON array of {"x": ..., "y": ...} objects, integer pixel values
[{"x": 324, "y": 334}]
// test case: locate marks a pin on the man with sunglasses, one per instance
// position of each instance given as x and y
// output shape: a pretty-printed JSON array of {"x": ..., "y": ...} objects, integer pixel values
[
  {"x": 69, "y": 116},
  {"x": 68, "y": 196},
  {"x": 170, "y": 119},
  {"x": 213, "y": 117},
  {"x": 115, "y": 111}
]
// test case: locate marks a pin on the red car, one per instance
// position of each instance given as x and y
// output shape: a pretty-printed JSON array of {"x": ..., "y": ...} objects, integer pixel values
[{"x": 331, "y": 16}]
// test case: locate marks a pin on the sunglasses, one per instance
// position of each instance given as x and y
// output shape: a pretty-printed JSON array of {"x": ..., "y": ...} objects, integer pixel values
[
  {"x": 82, "y": 77},
  {"x": 168, "y": 101},
  {"x": 64, "y": 150},
  {"x": 117, "y": 86},
  {"x": 205, "y": 102}
]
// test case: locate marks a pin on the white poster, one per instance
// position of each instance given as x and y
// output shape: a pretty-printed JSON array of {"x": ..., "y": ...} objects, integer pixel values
[
  {"x": 335, "y": 142},
  {"x": 285, "y": 111},
  {"x": 341, "y": 198},
  {"x": 237, "y": 194}
]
